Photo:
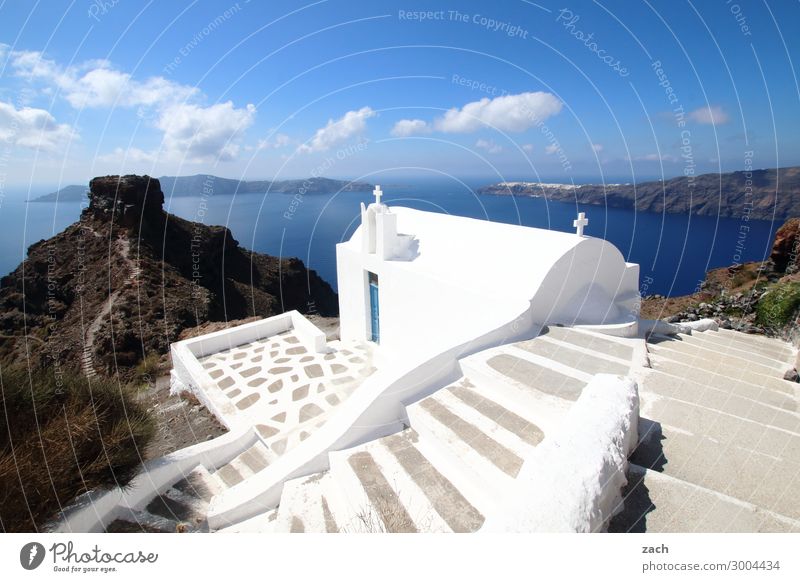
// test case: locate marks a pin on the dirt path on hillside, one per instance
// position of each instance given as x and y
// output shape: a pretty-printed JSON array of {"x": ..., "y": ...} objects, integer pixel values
[{"x": 87, "y": 359}]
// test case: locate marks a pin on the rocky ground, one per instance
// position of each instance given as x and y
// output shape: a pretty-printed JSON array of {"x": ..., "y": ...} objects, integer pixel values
[
  {"x": 181, "y": 420},
  {"x": 758, "y": 298}
]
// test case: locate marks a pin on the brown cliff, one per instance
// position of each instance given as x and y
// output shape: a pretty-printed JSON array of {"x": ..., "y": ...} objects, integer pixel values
[{"x": 127, "y": 278}]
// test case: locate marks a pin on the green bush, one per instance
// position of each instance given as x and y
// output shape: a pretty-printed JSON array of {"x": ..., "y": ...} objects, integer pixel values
[
  {"x": 779, "y": 305},
  {"x": 147, "y": 369},
  {"x": 61, "y": 436}
]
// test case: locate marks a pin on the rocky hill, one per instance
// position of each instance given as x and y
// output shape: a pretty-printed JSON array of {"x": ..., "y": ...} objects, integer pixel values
[
  {"x": 124, "y": 281},
  {"x": 208, "y": 184},
  {"x": 763, "y": 194}
]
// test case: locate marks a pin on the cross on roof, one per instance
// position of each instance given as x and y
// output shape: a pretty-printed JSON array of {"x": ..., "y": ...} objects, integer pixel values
[
  {"x": 580, "y": 222},
  {"x": 378, "y": 194}
]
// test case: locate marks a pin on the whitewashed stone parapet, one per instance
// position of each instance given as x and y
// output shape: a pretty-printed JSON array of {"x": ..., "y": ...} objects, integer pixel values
[{"x": 573, "y": 480}]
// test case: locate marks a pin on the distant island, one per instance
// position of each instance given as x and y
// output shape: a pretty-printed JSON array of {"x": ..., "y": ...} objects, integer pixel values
[
  {"x": 204, "y": 183},
  {"x": 759, "y": 194},
  {"x": 65, "y": 194}
]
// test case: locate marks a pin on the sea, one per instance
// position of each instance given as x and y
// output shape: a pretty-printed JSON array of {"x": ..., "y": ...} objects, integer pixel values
[{"x": 674, "y": 251}]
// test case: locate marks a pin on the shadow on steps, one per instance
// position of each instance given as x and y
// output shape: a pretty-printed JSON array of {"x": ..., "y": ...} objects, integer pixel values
[{"x": 649, "y": 454}]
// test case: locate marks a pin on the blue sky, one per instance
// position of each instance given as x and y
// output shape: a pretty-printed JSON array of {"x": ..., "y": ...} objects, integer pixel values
[{"x": 506, "y": 90}]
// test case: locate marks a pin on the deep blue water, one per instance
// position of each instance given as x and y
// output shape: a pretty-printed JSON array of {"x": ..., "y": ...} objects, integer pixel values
[{"x": 674, "y": 251}]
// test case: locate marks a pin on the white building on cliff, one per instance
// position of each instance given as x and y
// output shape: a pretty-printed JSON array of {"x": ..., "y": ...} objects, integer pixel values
[
  {"x": 416, "y": 282},
  {"x": 481, "y": 381}
]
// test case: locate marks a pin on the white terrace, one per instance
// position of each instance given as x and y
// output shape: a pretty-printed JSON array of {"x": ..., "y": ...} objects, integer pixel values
[{"x": 283, "y": 381}]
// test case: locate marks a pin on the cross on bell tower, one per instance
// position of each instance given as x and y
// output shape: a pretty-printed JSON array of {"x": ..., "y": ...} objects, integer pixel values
[
  {"x": 580, "y": 222},
  {"x": 378, "y": 193}
]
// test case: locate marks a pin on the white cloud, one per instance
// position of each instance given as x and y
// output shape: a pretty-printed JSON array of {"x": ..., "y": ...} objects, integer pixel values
[
  {"x": 191, "y": 132},
  {"x": 551, "y": 149},
  {"x": 514, "y": 113},
  {"x": 33, "y": 128},
  {"x": 107, "y": 87},
  {"x": 204, "y": 133},
  {"x": 711, "y": 115},
  {"x": 407, "y": 127},
  {"x": 528, "y": 147},
  {"x": 596, "y": 147},
  {"x": 350, "y": 124},
  {"x": 489, "y": 145},
  {"x": 278, "y": 141},
  {"x": 97, "y": 84},
  {"x": 131, "y": 156}
]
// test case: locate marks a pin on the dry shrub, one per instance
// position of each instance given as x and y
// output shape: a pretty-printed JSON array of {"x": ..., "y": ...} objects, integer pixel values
[{"x": 63, "y": 436}]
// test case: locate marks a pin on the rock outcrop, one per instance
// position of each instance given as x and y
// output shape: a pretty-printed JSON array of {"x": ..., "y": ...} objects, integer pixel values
[
  {"x": 785, "y": 248},
  {"x": 125, "y": 199},
  {"x": 127, "y": 278}
]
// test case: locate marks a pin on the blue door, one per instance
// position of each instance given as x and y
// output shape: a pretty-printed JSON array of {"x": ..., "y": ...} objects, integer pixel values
[{"x": 373, "y": 308}]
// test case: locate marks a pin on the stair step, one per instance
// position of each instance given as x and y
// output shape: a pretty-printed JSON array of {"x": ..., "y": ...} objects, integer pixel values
[
  {"x": 261, "y": 523},
  {"x": 249, "y": 462},
  {"x": 708, "y": 373},
  {"x": 472, "y": 396},
  {"x": 782, "y": 399},
  {"x": 733, "y": 456},
  {"x": 383, "y": 498},
  {"x": 537, "y": 377},
  {"x": 368, "y": 503},
  {"x": 572, "y": 358},
  {"x": 709, "y": 342},
  {"x": 752, "y": 340},
  {"x": 464, "y": 430},
  {"x": 199, "y": 483},
  {"x": 698, "y": 355},
  {"x": 657, "y": 503},
  {"x": 603, "y": 345},
  {"x": 766, "y": 407},
  {"x": 444, "y": 498},
  {"x": 305, "y": 507},
  {"x": 473, "y": 462},
  {"x": 399, "y": 490},
  {"x": 474, "y": 415}
]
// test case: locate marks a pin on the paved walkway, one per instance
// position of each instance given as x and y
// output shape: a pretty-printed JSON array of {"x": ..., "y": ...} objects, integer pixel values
[{"x": 286, "y": 390}]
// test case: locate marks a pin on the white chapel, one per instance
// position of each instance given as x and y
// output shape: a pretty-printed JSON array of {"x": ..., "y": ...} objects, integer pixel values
[{"x": 414, "y": 281}]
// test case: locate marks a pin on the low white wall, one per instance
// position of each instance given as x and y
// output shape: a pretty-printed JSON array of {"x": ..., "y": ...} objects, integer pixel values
[
  {"x": 94, "y": 511},
  {"x": 572, "y": 481},
  {"x": 658, "y": 326},
  {"x": 308, "y": 334}
]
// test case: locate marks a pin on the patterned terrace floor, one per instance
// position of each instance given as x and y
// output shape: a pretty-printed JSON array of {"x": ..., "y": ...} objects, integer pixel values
[{"x": 285, "y": 389}]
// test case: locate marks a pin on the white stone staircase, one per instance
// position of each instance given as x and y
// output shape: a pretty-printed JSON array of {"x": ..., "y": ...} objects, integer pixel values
[
  {"x": 720, "y": 438},
  {"x": 184, "y": 505},
  {"x": 719, "y": 444},
  {"x": 464, "y": 447}
]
